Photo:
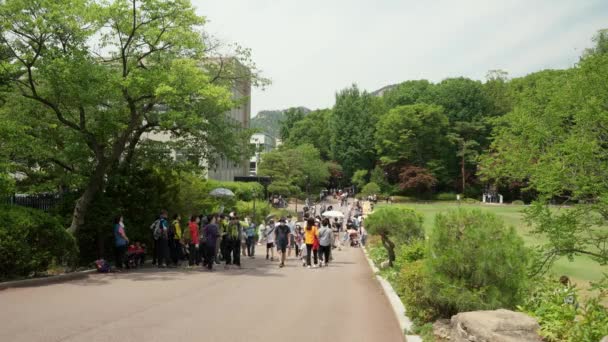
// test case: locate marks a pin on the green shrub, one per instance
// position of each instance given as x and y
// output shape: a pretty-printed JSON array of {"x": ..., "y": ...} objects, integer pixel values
[
  {"x": 377, "y": 254},
  {"x": 518, "y": 202},
  {"x": 370, "y": 189},
  {"x": 411, "y": 286},
  {"x": 395, "y": 224},
  {"x": 445, "y": 196},
  {"x": 403, "y": 199},
  {"x": 407, "y": 253},
  {"x": 474, "y": 262},
  {"x": 561, "y": 317},
  {"x": 30, "y": 241},
  {"x": 471, "y": 201},
  {"x": 262, "y": 209}
]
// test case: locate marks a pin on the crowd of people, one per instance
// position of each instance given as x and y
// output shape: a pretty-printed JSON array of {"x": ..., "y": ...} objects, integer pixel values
[{"x": 214, "y": 239}]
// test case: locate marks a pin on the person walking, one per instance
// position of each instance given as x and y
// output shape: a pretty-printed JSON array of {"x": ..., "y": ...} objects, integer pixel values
[
  {"x": 162, "y": 243},
  {"x": 326, "y": 238},
  {"x": 310, "y": 234},
  {"x": 292, "y": 236},
  {"x": 250, "y": 234},
  {"x": 244, "y": 225},
  {"x": 211, "y": 236},
  {"x": 194, "y": 241},
  {"x": 175, "y": 237},
  {"x": 233, "y": 243},
  {"x": 283, "y": 236},
  {"x": 269, "y": 236},
  {"x": 120, "y": 242}
]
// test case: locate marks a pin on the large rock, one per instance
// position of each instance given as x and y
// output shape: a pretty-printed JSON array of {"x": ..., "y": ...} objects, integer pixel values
[{"x": 489, "y": 326}]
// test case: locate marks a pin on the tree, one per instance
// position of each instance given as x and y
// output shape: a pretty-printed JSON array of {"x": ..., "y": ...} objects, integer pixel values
[
  {"x": 415, "y": 178},
  {"x": 359, "y": 178},
  {"x": 291, "y": 116},
  {"x": 409, "y": 93},
  {"x": 395, "y": 224},
  {"x": 301, "y": 167},
  {"x": 464, "y": 135},
  {"x": 353, "y": 124},
  {"x": 554, "y": 139},
  {"x": 87, "y": 106},
  {"x": 313, "y": 129},
  {"x": 413, "y": 134},
  {"x": 601, "y": 44}
]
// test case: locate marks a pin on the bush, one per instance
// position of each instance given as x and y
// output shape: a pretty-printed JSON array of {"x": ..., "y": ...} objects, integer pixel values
[
  {"x": 408, "y": 253},
  {"x": 560, "y": 316},
  {"x": 475, "y": 262},
  {"x": 471, "y": 201},
  {"x": 370, "y": 189},
  {"x": 30, "y": 241},
  {"x": 403, "y": 199},
  {"x": 411, "y": 287},
  {"x": 445, "y": 196},
  {"x": 262, "y": 209},
  {"x": 518, "y": 202},
  {"x": 395, "y": 224}
]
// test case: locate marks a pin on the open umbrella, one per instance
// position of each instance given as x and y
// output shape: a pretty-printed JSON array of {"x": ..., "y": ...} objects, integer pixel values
[
  {"x": 333, "y": 214},
  {"x": 221, "y": 192}
]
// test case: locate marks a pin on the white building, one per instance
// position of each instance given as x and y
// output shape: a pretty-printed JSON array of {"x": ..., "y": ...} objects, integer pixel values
[{"x": 263, "y": 143}]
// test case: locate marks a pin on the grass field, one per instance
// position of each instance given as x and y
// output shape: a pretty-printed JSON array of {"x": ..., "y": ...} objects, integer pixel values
[{"x": 581, "y": 270}]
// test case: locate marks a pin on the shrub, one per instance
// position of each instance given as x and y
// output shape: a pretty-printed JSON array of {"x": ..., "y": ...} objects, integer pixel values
[
  {"x": 395, "y": 223},
  {"x": 30, "y": 241},
  {"x": 262, "y": 209},
  {"x": 471, "y": 201},
  {"x": 377, "y": 254},
  {"x": 370, "y": 189},
  {"x": 408, "y": 253},
  {"x": 560, "y": 316},
  {"x": 445, "y": 196},
  {"x": 402, "y": 199},
  {"x": 411, "y": 286},
  {"x": 518, "y": 202},
  {"x": 475, "y": 262}
]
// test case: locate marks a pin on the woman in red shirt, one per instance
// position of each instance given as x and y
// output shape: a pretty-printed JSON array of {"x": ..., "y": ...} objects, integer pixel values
[{"x": 193, "y": 227}]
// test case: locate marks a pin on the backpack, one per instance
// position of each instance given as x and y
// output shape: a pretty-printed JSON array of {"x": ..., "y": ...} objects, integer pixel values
[{"x": 156, "y": 229}]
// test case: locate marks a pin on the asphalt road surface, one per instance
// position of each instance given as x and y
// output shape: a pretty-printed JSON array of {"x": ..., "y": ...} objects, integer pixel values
[{"x": 257, "y": 303}]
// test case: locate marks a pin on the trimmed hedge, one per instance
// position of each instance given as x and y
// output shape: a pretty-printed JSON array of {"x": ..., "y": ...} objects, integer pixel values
[{"x": 32, "y": 240}]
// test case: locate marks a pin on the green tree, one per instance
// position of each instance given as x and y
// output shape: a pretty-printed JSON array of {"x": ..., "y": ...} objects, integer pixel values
[
  {"x": 411, "y": 134},
  {"x": 409, "y": 93},
  {"x": 353, "y": 124},
  {"x": 370, "y": 189},
  {"x": 291, "y": 116},
  {"x": 554, "y": 139},
  {"x": 395, "y": 224},
  {"x": 89, "y": 79},
  {"x": 313, "y": 129},
  {"x": 359, "y": 178}
]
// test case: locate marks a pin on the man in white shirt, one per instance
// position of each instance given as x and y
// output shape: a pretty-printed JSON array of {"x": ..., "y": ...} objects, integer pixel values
[{"x": 269, "y": 236}]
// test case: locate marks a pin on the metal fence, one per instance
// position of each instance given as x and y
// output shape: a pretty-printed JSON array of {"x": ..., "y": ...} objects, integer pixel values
[{"x": 39, "y": 201}]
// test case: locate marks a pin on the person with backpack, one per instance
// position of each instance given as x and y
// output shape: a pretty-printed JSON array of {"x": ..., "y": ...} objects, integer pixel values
[
  {"x": 233, "y": 243},
  {"x": 194, "y": 241},
  {"x": 211, "y": 233},
  {"x": 160, "y": 229},
  {"x": 326, "y": 239},
  {"x": 120, "y": 242},
  {"x": 175, "y": 237},
  {"x": 269, "y": 236},
  {"x": 311, "y": 234},
  {"x": 283, "y": 233}
]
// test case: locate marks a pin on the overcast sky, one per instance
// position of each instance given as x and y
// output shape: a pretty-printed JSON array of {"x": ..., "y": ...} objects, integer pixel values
[{"x": 312, "y": 48}]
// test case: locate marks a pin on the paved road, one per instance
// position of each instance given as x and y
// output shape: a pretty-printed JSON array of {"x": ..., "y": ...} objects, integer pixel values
[{"x": 258, "y": 303}]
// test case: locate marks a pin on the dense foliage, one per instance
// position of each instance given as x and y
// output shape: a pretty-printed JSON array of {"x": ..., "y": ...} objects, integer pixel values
[{"x": 30, "y": 241}]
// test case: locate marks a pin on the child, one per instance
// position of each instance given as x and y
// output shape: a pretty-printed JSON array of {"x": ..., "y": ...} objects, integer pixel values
[
  {"x": 140, "y": 252},
  {"x": 303, "y": 253}
]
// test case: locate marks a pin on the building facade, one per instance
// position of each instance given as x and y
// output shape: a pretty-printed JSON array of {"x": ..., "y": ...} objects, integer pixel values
[{"x": 262, "y": 143}]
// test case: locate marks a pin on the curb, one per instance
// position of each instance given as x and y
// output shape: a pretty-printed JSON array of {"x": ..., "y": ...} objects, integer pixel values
[
  {"x": 398, "y": 309},
  {"x": 46, "y": 280}
]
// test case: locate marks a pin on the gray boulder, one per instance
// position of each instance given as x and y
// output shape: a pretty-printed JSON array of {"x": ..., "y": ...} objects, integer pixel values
[{"x": 489, "y": 326}]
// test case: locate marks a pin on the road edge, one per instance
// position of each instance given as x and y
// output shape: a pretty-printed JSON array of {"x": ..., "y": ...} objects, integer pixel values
[
  {"x": 46, "y": 280},
  {"x": 398, "y": 308}
]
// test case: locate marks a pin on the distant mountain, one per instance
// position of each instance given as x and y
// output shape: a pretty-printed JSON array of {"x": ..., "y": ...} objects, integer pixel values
[{"x": 269, "y": 121}]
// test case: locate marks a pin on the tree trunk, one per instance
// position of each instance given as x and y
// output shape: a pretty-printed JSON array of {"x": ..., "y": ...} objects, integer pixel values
[
  {"x": 390, "y": 248},
  {"x": 82, "y": 203},
  {"x": 463, "y": 172}
]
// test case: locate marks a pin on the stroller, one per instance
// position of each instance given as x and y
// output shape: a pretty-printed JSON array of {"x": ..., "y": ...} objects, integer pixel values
[{"x": 354, "y": 238}]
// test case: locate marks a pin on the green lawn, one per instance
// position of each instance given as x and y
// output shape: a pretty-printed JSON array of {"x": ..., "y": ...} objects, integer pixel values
[{"x": 581, "y": 270}]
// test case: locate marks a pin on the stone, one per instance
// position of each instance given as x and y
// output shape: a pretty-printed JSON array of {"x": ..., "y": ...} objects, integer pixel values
[
  {"x": 605, "y": 339},
  {"x": 384, "y": 264},
  {"x": 442, "y": 330},
  {"x": 494, "y": 326}
]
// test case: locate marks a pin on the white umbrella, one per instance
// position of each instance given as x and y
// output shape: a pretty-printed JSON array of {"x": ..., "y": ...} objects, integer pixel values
[
  {"x": 333, "y": 214},
  {"x": 221, "y": 192}
]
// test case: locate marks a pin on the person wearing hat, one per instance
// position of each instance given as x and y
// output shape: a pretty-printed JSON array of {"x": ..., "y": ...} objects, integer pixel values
[{"x": 283, "y": 234}]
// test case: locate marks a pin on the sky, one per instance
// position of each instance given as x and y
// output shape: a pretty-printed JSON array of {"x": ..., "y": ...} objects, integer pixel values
[{"x": 310, "y": 49}]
